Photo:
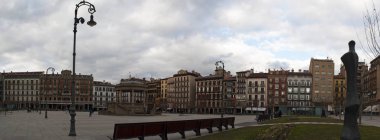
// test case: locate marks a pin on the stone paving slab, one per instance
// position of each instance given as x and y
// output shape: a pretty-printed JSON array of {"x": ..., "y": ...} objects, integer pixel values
[{"x": 20, "y": 125}]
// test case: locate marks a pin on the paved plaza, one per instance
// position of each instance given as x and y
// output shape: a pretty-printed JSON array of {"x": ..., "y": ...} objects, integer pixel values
[{"x": 20, "y": 125}]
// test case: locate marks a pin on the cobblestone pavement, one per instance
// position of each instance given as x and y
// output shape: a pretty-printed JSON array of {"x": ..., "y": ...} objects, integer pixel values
[{"x": 20, "y": 125}]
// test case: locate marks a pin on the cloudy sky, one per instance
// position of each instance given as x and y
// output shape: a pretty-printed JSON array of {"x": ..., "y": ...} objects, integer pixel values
[{"x": 156, "y": 38}]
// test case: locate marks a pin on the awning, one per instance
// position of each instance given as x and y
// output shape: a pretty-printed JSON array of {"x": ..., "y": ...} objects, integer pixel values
[{"x": 255, "y": 109}]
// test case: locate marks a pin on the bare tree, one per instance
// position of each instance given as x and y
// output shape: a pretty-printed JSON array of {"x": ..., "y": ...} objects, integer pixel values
[{"x": 372, "y": 32}]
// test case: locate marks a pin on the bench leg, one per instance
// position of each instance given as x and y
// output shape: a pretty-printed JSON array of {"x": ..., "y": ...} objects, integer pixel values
[
  {"x": 163, "y": 137},
  {"x": 209, "y": 130},
  {"x": 182, "y": 134},
  {"x": 197, "y": 132},
  {"x": 220, "y": 128},
  {"x": 226, "y": 127},
  {"x": 141, "y": 138}
]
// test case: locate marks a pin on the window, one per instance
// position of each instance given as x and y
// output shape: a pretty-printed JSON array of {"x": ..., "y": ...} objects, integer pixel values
[
  {"x": 295, "y": 97},
  {"x": 302, "y": 90},
  {"x": 307, "y": 90},
  {"x": 295, "y": 90},
  {"x": 290, "y": 90},
  {"x": 289, "y": 97},
  {"x": 302, "y": 97}
]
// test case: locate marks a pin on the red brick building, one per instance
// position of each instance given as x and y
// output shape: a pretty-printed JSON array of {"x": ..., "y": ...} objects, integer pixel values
[
  {"x": 277, "y": 90},
  {"x": 56, "y": 91}
]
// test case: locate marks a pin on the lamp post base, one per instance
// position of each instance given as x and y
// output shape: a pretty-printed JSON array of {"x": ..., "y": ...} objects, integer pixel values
[
  {"x": 46, "y": 114},
  {"x": 72, "y": 122}
]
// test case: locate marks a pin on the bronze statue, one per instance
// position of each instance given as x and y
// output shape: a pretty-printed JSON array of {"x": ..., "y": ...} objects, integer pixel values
[{"x": 350, "y": 129}]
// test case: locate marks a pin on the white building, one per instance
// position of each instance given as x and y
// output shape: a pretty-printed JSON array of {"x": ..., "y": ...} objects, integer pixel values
[
  {"x": 299, "y": 92},
  {"x": 104, "y": 93},
  {"x": 256, "y": 92}
]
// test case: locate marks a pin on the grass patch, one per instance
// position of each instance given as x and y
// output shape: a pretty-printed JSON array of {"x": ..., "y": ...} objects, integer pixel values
[
  {"x": 288, "y": 119},
  {"x": 329, "y": 132},
  {"x": 299, "y": 132},
  {"x": 246, "y": 133}
]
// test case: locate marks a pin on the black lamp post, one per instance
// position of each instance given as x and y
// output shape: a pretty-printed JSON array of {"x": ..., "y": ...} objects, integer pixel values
[
  {"x": 91, "y": 10},
  {"x": 46, "y": 106},
  {"x": 223, "y": 107}
]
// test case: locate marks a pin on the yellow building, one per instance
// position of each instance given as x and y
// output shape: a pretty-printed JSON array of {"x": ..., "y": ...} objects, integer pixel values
[
  {"x": 322, "y": 85},
  {"x": 339, "y": 92},
  {"x": 164, "y": 93},
  {"x": 181, "y": 91}
]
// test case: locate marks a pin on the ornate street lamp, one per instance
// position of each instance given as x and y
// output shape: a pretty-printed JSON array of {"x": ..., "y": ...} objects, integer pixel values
[
  {"x": 223, "y": 107},
  {"x": 91, "y": 10},
  {"x": 52, "y": 72}
]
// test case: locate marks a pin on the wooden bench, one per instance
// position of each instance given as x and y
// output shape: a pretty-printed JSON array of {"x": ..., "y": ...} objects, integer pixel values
[
  {"x": 162, "y": 129},
  {"x": 231, "y": 121},
  {"x": 138, "y": 130}
]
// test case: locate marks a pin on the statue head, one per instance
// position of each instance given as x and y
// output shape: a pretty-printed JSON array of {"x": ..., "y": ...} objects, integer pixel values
[{"x": 351, "y": 45}]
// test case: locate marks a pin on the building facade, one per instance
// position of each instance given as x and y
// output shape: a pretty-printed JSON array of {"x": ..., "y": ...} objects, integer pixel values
[
  {"x": 209, "y": 94},
  {"x": 2, "y": 99},
  {"x": 322, "y": 71},
  {"x": 104, "y": 93},
  {"x": 22, "y": 90},
  {"x": 339, "y": 93},
  {"x": 277, "y": 90},
  {"x": 181, "y": 91},
  {"x": 230, "y": 90},
  {"x": 215, "y": 93},
  {"x": 153, "y": 94},
  {"x": 299, "y": 92},
  {"x": 256, "y": 92},
  {"x": 56, "y": 91},
  {"x": 164, "y": 94},
  {"x": 374, "y": 81},
  {"x": 241, "y": 96}
]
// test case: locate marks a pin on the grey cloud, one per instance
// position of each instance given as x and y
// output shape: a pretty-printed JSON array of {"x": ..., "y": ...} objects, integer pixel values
[{"x": 157, "y": 38}]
